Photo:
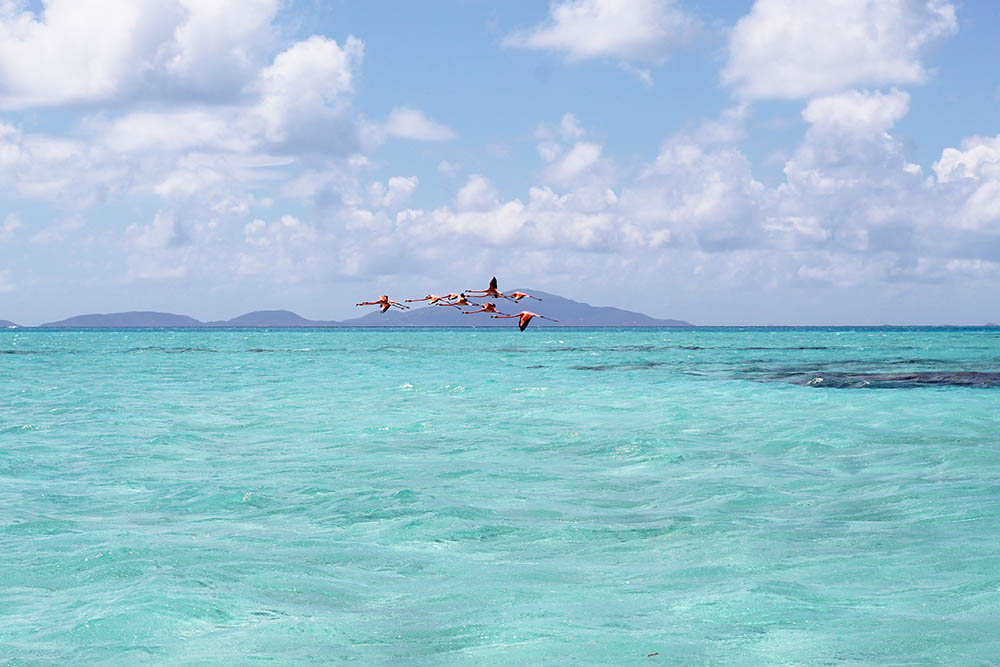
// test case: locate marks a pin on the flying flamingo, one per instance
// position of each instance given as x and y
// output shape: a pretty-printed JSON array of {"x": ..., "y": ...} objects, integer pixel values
[
  {"x": 517, "y": 296},
  {"x": 385, "y": 302},
  {"x": 491, "y": 291},
  {"x": 462, "y": 301},
  {"x": 431, "y": 298},
  {"x": 487, "y": 308},
  {"x": 525, "y": 316}
]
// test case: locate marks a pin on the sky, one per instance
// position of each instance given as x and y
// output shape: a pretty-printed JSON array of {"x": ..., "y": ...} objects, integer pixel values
[{"x": 832, "y": 162}]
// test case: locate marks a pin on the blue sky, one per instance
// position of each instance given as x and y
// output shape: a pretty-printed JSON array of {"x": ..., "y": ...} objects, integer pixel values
[{"x": 769, "y": 162}]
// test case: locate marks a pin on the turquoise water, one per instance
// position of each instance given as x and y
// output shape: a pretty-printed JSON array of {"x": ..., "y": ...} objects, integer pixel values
[{"x": 713, "y": 496}]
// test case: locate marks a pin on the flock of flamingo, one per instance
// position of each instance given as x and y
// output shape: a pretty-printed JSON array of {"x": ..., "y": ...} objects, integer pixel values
[{"x": 462, "y": 299}]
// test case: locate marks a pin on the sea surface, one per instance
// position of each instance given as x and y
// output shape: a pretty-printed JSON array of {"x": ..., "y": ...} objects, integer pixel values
[{"x": 460, "y": 497}]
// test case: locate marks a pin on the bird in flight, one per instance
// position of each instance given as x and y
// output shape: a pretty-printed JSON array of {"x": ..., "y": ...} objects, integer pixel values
[
  {"x": 431, "y": 299},
  {"x": 462, "y": 301},
  {"x": 384, "y": 303},
  {"x": 491, "y": 291},
  {"x": 517, "y": 296},
  {"x": 525, "y": 317},
  {"x": 487, "y": 308}
]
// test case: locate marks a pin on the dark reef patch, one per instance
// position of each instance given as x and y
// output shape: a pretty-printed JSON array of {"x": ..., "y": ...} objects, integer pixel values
[{"x": 897, "y": 380}]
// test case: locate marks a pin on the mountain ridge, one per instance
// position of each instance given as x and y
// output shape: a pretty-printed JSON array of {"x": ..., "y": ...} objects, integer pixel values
[{"x": 567, "y": 311}]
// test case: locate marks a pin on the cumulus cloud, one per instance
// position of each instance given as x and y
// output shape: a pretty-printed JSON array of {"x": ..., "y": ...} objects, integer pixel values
[
  {"x": 575, "y": 162},
  {"x": 414, "y": 124},
  {"x": 394, "y": 193},
  {"x": 298, "y": 102},
  {"x": 695, "y": 196},
  {"x": 164, "y": 231},
  {"x": 478, "y": 194},
  {"x": 857, "y": 111},
  {"x": 66, "y": 171},
  {"x": 90, "y": 51},
  {"x": 294, "y": 110},
  {"x": 978, "y": 158},
  {"x": 973, "y": 174},
  {"x": 567, "y": 129},
  {"x": 727, "y": 128},
  {"x": 849, "y": 188},
  {"x": 851, "y": 212},
  {"x": 645, "y": 30},
  {"x": 790, "y": 49},
  {"x": 268, "y": 179},
  {"x": 572, "y": 163}
]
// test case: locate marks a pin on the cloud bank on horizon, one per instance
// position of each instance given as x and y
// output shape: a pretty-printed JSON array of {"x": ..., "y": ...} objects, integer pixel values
[{"x": 822, "y": 162}]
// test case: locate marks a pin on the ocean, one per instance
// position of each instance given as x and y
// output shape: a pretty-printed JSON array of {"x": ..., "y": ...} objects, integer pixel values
[{"x": 461, "y": 496}]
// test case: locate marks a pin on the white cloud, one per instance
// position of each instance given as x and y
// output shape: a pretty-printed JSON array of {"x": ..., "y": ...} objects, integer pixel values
[
  {"x": 575, "y": 162},
  {"x": 972, "y": 175},
  {"x": 851, "y": 211},
  {"x": 729, "y": 127},
  {"x": 497, "y": 224},
  {"x": 393, "y": 194},
  {"x": 849, "y": 187},
  {"x": 414, "y": 124},
  {"x": 60, "y": 231},
  {"x": 848, "y": 150},
  {"x": 694, "y": 196},
  {"x": 569, "y": 127},
  {"x": 294, "y": 108},
  {"x": 298, "y": 103},
  {"x": 88, "y": 51},
  {"x": 300, "y": 93},
  {"x": 448, "y": 168},
  {"x": 978, "y": 158},
  {"x": 647, "y": 30},
  {"x": 287, "y": 230},
  {"x": 478, "y": 194},
  {"x": 792, "y": 49},
  {"x": 66, "y": 171},
  {"x": 400, "y": 190},
  {"x": 644, "y": 75},
  {"x": 164, "y": 231},
  {"x": 9, "y": 228},
  {"x": 856, "y": 111},
  {"x": 212, "y": 62}
]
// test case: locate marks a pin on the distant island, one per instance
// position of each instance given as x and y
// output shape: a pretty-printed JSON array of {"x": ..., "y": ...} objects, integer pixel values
[{"x": 567, "y": 311}]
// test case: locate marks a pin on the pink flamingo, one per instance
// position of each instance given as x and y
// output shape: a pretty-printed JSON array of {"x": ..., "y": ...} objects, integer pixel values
[
  {"x": 517, "y": 296},
  {"x": 487, "y": 308},
  {"x": 525, "y": 316},
  {"x": 462, "y": 301},
  {"x": 384, "y": 302},
  {"x": 491, "y": 291},
  {"x": 430, "y": 298}
]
